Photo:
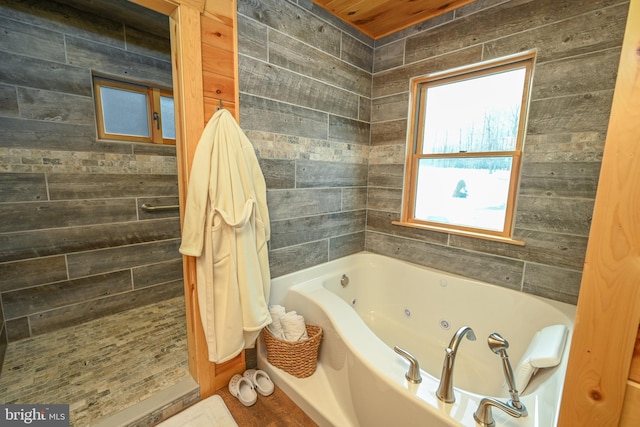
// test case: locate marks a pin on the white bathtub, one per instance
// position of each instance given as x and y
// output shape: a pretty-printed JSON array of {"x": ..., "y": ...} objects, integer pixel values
[{"x": 360, "y": 379}]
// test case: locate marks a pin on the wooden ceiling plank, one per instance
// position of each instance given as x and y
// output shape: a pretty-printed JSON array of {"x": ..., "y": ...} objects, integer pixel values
[
  {"x": 409, "y": 12},
  {"x": 378, "y": 18}
]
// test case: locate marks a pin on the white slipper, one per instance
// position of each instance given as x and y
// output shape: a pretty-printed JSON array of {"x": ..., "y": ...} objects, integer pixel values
[
  {"x": 242, "y": 388},
  {"x": 260, "y": 380}
]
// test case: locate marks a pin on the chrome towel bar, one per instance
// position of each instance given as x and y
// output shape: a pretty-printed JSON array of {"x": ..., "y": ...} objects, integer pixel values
[{"x": 151, "y": 208}]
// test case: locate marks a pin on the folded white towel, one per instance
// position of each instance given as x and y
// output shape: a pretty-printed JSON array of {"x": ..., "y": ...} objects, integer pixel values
[
  {"x": 276, "y": 311},
  {"x": 293, "y": 327}
]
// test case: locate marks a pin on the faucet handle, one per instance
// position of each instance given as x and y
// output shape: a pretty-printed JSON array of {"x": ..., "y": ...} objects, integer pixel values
[
  {"x": 484, "y": 417},
  {"x": 413, "y": 374}
]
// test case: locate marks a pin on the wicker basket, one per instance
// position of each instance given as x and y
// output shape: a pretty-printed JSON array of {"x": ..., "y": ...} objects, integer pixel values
[{"x": 296, "y": 358}]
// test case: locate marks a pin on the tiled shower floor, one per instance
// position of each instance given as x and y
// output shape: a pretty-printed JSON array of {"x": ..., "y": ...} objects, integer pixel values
[{"x": 102, "y": 366}]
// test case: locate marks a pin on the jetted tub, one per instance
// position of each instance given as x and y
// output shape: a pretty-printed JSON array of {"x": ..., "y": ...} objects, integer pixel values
[{"x": 360, "y": 380}]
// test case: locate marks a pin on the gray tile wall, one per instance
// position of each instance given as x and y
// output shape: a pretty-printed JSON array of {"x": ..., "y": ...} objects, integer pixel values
[
  {"x": 578, "y": 46},
  {"x": 74, "y": 242},
  {"x": 327, "y": 115},
  {"x": 3, "y": 337},
  {"x": 305, "y": 104}
]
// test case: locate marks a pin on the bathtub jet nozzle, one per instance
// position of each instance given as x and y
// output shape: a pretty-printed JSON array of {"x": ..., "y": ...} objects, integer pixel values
[{"x": 344, "y": 280}]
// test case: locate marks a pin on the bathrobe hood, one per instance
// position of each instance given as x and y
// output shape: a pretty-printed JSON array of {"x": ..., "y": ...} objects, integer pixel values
[{"x": 226, "y": 227}]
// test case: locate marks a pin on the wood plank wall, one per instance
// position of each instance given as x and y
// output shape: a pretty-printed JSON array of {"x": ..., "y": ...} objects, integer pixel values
[
  {"x": 187, "y": 75},
  {"x": 379, "y": 18},
  {"x": 203, "y": 44},
  {"x": 218, "y": 65},
  {"x": 220, "y": 89},
  {"x": 602, "y": 385},
  {"x": 74, "y": 241}
]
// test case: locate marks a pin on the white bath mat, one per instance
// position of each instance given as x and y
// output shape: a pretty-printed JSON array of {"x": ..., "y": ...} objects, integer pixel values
[{"x": 208, "y": 412}]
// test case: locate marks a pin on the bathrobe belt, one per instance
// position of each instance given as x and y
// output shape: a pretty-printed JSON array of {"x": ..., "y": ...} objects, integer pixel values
[{"x": 248, "y": 213}]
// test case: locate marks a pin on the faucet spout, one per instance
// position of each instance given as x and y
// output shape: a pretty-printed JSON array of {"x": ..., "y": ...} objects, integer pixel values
[{"x": 445, "y": 388}]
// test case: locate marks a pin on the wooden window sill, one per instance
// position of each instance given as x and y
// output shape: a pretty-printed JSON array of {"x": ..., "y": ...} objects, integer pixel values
[{"x": 476, "y": 235}]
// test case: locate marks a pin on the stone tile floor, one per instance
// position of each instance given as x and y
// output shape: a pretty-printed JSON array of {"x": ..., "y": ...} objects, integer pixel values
[{"x": 102, "y": 366}]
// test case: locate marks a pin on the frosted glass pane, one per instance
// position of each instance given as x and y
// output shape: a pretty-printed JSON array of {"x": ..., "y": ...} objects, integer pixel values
[
  {"x": 125, "y": 112},
  {"x": 168, "y": 117},
  {"x": 468, "y": 192},
  {"x": 478, "y": 114}
]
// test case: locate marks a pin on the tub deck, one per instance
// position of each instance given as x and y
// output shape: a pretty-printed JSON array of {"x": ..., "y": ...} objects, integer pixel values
[{"x": 360, "y": 380}]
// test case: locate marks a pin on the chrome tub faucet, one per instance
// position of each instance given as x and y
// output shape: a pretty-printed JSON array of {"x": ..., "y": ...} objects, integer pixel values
[{"x": 445, "y": 389}]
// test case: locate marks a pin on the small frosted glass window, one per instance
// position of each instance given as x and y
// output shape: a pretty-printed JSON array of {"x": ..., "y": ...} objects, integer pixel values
[
  {"x": 125, "y": 112},
  {"x": 168, "y": 117},
  {"x": 133, "y": 111}
]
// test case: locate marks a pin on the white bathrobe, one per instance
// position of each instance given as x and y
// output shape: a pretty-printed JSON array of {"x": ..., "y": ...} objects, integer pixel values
[{"x": 226, "y": 226}]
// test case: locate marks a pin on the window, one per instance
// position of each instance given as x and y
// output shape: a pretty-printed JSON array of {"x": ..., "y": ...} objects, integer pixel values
[
  {"x": 464, "y": 148},
  {"x": 128, "y": 111}
]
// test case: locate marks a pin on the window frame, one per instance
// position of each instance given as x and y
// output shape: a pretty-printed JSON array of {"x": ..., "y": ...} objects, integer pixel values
[
  {"x": 417, "y": 104},
  {"x": 152, "y": 93}
]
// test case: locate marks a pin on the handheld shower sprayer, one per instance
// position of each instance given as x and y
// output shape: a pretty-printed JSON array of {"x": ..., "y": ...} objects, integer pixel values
[
  {"x": 499, "y": 346},
  {"x": 513, "y": 407}
]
